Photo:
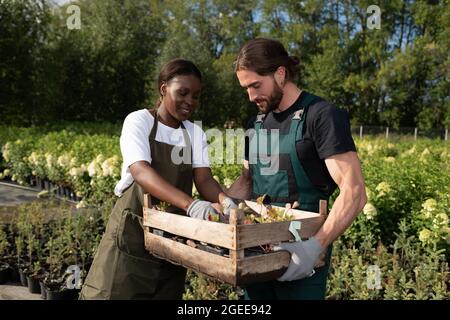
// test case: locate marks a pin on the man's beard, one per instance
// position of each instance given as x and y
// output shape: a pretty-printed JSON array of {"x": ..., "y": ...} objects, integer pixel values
[{"x": 273, "y": 101}]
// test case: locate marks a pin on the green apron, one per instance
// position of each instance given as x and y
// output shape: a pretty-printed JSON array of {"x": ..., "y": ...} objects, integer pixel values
[
  {"x": 122, "y": 268},
  {"x": 288, "y": 184}
]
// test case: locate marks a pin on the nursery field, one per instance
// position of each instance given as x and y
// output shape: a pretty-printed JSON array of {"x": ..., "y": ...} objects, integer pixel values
[{"x": 397, "y": 248}]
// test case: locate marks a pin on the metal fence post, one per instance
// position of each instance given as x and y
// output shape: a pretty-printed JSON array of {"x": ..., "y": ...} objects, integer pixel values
[
  {"x": 415, "y": 133},
  {"x": 387, "y": 132},
  {"x": 360, "y": 131}
]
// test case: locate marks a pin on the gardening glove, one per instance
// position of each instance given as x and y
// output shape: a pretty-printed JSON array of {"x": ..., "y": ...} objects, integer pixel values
[
  {"x": 304, "y": 255},
  {"x": 227, "y": 205},
  {"x": 202, "y": 210}
]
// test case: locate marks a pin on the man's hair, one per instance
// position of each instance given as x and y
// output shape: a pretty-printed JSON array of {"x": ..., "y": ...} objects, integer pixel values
[{"x": 264, "y": 56}]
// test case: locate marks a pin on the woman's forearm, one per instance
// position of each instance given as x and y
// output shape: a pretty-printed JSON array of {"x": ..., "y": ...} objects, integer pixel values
[
  {"x": 207, "y": 186},
  {"x": 157, "y": 186}
]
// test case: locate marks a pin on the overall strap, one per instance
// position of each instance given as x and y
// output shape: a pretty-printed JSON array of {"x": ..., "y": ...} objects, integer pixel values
[
  {"x": 300, "y": 116},
  {"x": 259, "y": 121}
]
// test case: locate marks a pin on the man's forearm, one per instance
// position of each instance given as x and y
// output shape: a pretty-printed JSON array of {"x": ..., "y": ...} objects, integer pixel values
[{"x": 345, "y": 209}]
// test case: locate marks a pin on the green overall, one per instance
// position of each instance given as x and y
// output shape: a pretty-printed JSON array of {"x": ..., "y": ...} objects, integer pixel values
[
  {"x": 122, "y": 268},
  {"x": 287, "y": 184}
]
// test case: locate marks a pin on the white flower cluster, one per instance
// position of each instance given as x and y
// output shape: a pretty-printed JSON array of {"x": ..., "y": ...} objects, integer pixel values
[{"x": 101, "y": 167}]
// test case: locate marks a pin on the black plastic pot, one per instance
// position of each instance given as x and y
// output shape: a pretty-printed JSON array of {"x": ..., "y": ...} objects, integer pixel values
[
  {"x": 43, "y": 290},
  {"x": 73, "y": 294},
  {"x": 14, "y": 275},
  {"x": 40, "y": 183},
  {"x": 32, "y": 182},
  {"x": 62, "y": 295},
  {"x": 33, "y": 285},
  {"x": 23, "y": 278},
  {"x": 5, "y": 273},
  {"x": 67, "y": 192}
]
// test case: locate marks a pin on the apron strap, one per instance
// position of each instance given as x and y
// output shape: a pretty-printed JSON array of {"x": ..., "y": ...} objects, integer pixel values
[
  {"x": 152, "y": 136},
  {"x": 154, "y": 113},
  {"x": 187, "y": 141}
]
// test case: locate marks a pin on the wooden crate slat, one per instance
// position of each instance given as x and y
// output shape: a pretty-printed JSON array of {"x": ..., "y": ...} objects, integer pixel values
[
  {"x": 219, "y": 234},
  {"x": 251, "y": 235},
  {"x": 262, "y": 268},
  {"x": 205, "y": 262},
  {"x": 235, "y": 268}
]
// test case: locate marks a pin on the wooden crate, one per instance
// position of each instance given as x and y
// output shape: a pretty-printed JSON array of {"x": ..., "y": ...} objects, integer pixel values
[{"x": 235, "y": 267}]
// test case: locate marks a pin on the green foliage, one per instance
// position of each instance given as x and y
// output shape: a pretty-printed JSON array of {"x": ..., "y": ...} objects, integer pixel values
[
  {"x": 396, "y": 75},
  {"x": 200, "y": 287},
  {"x": 408, "y": 270},
  {"x": 403, "y": 230}
]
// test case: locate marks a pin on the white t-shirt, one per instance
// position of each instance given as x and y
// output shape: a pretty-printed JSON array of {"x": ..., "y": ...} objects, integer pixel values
[{"x": 134, "y": 143}]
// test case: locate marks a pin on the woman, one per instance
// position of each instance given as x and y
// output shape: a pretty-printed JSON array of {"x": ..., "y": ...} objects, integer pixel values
[{"x": 159, "y": 159}]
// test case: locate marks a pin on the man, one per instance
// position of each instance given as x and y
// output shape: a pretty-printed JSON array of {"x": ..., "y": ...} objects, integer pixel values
[{"x": 316, "y": 154}]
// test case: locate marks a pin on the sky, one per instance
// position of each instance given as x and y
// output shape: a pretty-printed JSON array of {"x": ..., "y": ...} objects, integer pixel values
[{"x": 60, "y": 1}]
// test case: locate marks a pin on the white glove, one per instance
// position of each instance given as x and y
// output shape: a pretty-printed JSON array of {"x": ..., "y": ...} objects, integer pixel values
[
  {"x": 304, "y": 255},
  {"x": 201, "y": 210},
  {"x": 227, "y": 205}
]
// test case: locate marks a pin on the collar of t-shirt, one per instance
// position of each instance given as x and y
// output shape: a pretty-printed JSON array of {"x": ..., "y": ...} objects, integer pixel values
[{"x": 283, "y": 115}]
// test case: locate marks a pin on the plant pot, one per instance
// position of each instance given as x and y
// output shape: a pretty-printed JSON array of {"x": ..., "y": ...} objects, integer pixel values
[
  {"x": 23, "y": 278},
  {"x": 14, "y": 275},
  {"x": 33, "y": 285},
  {"x": 62, "y": 295},
  {"x": 41, "y": 183},
  {"x": 53, "y": 188},
  {"x": 67, "y": 192},
  {"x": 60, "y": 191},
  {"x": 32, "y": 182},
  {"x": 43, "y": 290},
  {"x": 72, "y": 294},
  {"x": 55, "y": 295},
  {"x": 5, "y": 273}
]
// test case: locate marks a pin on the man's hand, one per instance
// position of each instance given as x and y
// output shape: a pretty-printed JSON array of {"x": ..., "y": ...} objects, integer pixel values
[
  {"x": 201, "y": 210},
  {"x": 304, "y": 255}
]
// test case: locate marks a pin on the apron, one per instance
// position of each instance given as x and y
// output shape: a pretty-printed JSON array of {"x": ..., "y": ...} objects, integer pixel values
[
  {"x": 288, "y": 184},
  {"x": 122, "y": 267}
]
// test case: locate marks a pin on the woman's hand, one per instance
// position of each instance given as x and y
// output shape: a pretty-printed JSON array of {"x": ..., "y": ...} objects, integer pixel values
[{"x": 157, "y": 186}]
